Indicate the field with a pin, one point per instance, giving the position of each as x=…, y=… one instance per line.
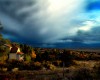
x=82, y=70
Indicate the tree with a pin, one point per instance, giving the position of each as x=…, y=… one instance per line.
x=0, y=36
x=26, y=49
x=27, y=58
x=67, y=58
x=33, y=55
x=2, y=40
x=45, y=55
x=4, y=53
x=1, y=27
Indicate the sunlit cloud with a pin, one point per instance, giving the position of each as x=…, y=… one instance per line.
x=50, y=21
x=87, y=25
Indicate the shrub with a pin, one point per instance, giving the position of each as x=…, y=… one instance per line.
x=97, y=70
x=37, y=65
x=2, y=64
x=47, y=64
x=83, y=74
x=15, y=69
x=4, y=69
x=57, y=63
x=26, y=65
x=52, y=67
x=28, y=58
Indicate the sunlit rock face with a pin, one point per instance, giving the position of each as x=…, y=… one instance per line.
x=49, y=21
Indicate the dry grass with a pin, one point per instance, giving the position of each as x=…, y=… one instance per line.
x=83, y=70
x=87, y=64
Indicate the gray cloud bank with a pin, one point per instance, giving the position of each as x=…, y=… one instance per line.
x=46, y=22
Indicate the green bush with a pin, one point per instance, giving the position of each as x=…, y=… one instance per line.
x=28, y=58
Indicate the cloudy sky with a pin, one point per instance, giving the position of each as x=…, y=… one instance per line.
x=52, y=23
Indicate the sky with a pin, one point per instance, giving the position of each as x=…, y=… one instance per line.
x=52, y=23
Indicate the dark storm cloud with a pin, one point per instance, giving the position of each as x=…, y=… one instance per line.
x=91, y=37
x=49, y=23
x=14, y=21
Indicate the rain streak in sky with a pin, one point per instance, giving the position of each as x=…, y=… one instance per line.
x=52, y=23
